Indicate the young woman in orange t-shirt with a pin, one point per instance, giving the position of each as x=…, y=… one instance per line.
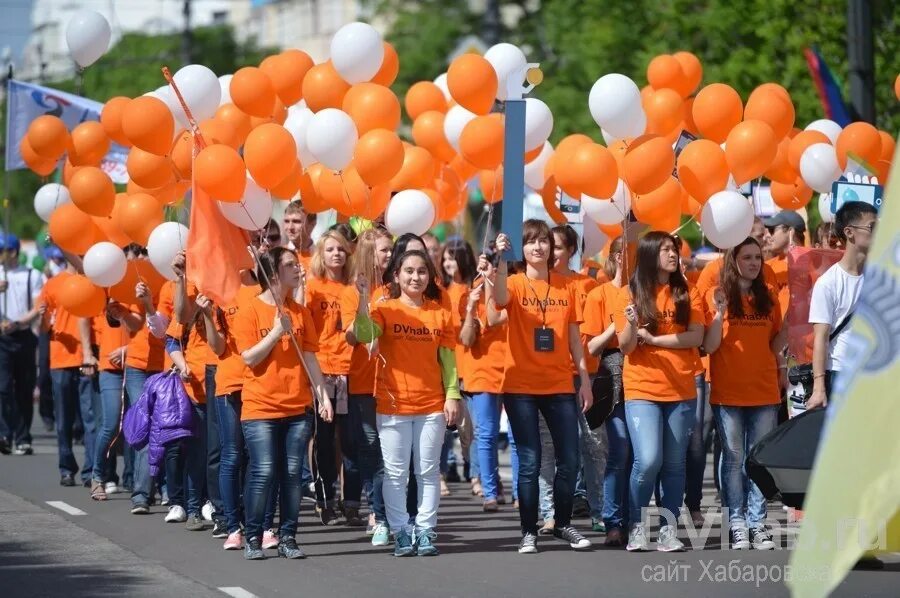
x=745, y=340
x=659, y=329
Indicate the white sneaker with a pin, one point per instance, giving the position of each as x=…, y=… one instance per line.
x=207, y=511
x=637, y=539
x=176, y=514
x=111, y=488
x=668, y=540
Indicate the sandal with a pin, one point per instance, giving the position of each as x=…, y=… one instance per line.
x=98, y=492
x=477, y=490
x=445, y=489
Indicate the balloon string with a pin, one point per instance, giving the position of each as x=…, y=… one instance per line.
x=340, y=174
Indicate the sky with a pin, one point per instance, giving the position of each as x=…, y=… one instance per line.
x=15, y=26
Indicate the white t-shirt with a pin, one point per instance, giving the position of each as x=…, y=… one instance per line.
x=834, y=296
x=14, y=305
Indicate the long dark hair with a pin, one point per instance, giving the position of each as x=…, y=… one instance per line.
x=432, y=291
x=729, y=279
x=267, y=270
x=397, y=252
x=465, y=261
x=646, y=279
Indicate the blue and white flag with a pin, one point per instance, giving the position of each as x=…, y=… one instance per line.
x=27, y=101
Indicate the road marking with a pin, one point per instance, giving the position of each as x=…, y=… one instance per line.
x=65, y=507
x=237, y=592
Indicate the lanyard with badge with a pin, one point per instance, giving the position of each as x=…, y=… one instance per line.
x=543, y=336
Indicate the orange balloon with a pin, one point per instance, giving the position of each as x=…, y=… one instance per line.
x=312, y=201
x=772, y=107
x=888, y=145
x=693, y=72
x=665, y=111
x=109, y=229
x=286, y=71
x=231, y=114
x=73, y=230
x=473, y=83
x=390, y=67
x=862, y=141
x=649, y=162
x=646, y=92
x=111, y=119
x=38, y=165
x=139, y=270
x=548, y=198
x=689, y=125
x=750, y=149
x=531, y=156
x=791, y=196
x=717, y=109
x=89, y=144
x=279, y=113
x=48, y=137
x=423, y=97
x=372, y=106
x=324, y=88
x=148, y=124
x=137, y=216
x=448, y=185
x=417, y=170
x=611, y=230
x=270, y=153
x=481, y=141
x=618, y=148
x=252, y=91
x=589, y=169
x=219, y=170
x=150, y=170
x=798, y=145
x=287, y=188
x=428, y=132
x=217, y=130
x=491, y=184
x=781, y=170
x=689, y=206
x=349, y=195
x=182, y=157
x=68, y=171
x=462, y=169
x=92, y=191
x=167, y=195
x=665, y=72
x=660, y=205
x=378, y=156
x=81, y=298
x=702, y=169
x=568, y=144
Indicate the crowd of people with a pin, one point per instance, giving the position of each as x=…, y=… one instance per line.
x=344, y=368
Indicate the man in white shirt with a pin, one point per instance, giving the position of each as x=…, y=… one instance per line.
x=835, y=296
x=20, y=287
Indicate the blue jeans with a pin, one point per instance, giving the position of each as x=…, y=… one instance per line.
x=275, y=446
x=513, y=462
x=561, y=414
x=108, y=418
x=134, y=388
x=740, y=428
x=618, y=469
x=186, y=460
x=660, y=432
x=485, y=412
x=66, y=403
x=231, y=448
x=213, y=449
x=701, y=436
x=363, y=428
x=17, y=379
x=89, y=400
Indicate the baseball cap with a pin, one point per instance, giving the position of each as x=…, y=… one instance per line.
x=9, y=242
x=786, y=218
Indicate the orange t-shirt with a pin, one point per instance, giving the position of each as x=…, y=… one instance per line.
x=408, y=379
x=486, y=356
x=323, y=298
x=779, y=266
x=458, y=295
x=744, y=371
x=65, y=337
x=361, y=380
x=526, y=370
x=598, y=312
x=232, y=369
x=108, y=340
x=278, y=385
x=709, y=277
x=145, y=351
x=583, y=285
x=655, y=373
x=192, y=350
x=204, y=351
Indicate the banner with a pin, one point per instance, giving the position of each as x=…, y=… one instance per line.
x=26, y=102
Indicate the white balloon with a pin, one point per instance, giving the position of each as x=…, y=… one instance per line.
x=48, y=198
x=456, y=120
x=297, y=124
x=201, y=90
x=507, y=60
x=819, y=167
x=225, y=89
x=105, y=264
x=331, y=137
x=441, y=82
x=538, y=123
x=726, y=219
x=254, y=209
x=825, y=207
x=607, y=138
x=612, y=210
x=165, y=242
x=410, y=211
x=615, y=104
x=594, y=238
x=534, y=170
x=357, y=52
x=829, y=128
x=87, y=36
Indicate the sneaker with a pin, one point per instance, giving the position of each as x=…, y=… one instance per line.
x=637, y=539
x=424, y=546
x=23, y=449
x=164, y=501
x=288, y=549
x=381, y=536
x=195, y=523
x=528, y=545
x=235, y=541
x=220, y=528
x=668, y=539
x=176, y=514
x=111, y=488
x=403, y=545
x=308, y=492
x=490, y=506
x=253, y=551
x=580, y=507
x=352, y=518
x=67, y=479
x=597, y=525
x=269, y=539
x=445, y=489
x=501, y=496
x=869, y=563
x=370, y=524
x=572, y=536
x=5, y=448
x=327, y=516
x=740, y=540
x=207, y=511
x=140, y=508
x=615, y=538
x=547, y=528
x=761, y=539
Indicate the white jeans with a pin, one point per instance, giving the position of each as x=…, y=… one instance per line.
x=420, y=436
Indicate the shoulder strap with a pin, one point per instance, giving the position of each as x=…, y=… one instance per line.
x=28, y=289
x=840, y=327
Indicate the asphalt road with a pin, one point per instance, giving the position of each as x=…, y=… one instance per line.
x=48, y=551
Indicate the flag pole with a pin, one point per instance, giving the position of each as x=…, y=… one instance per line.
x=6, y=183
